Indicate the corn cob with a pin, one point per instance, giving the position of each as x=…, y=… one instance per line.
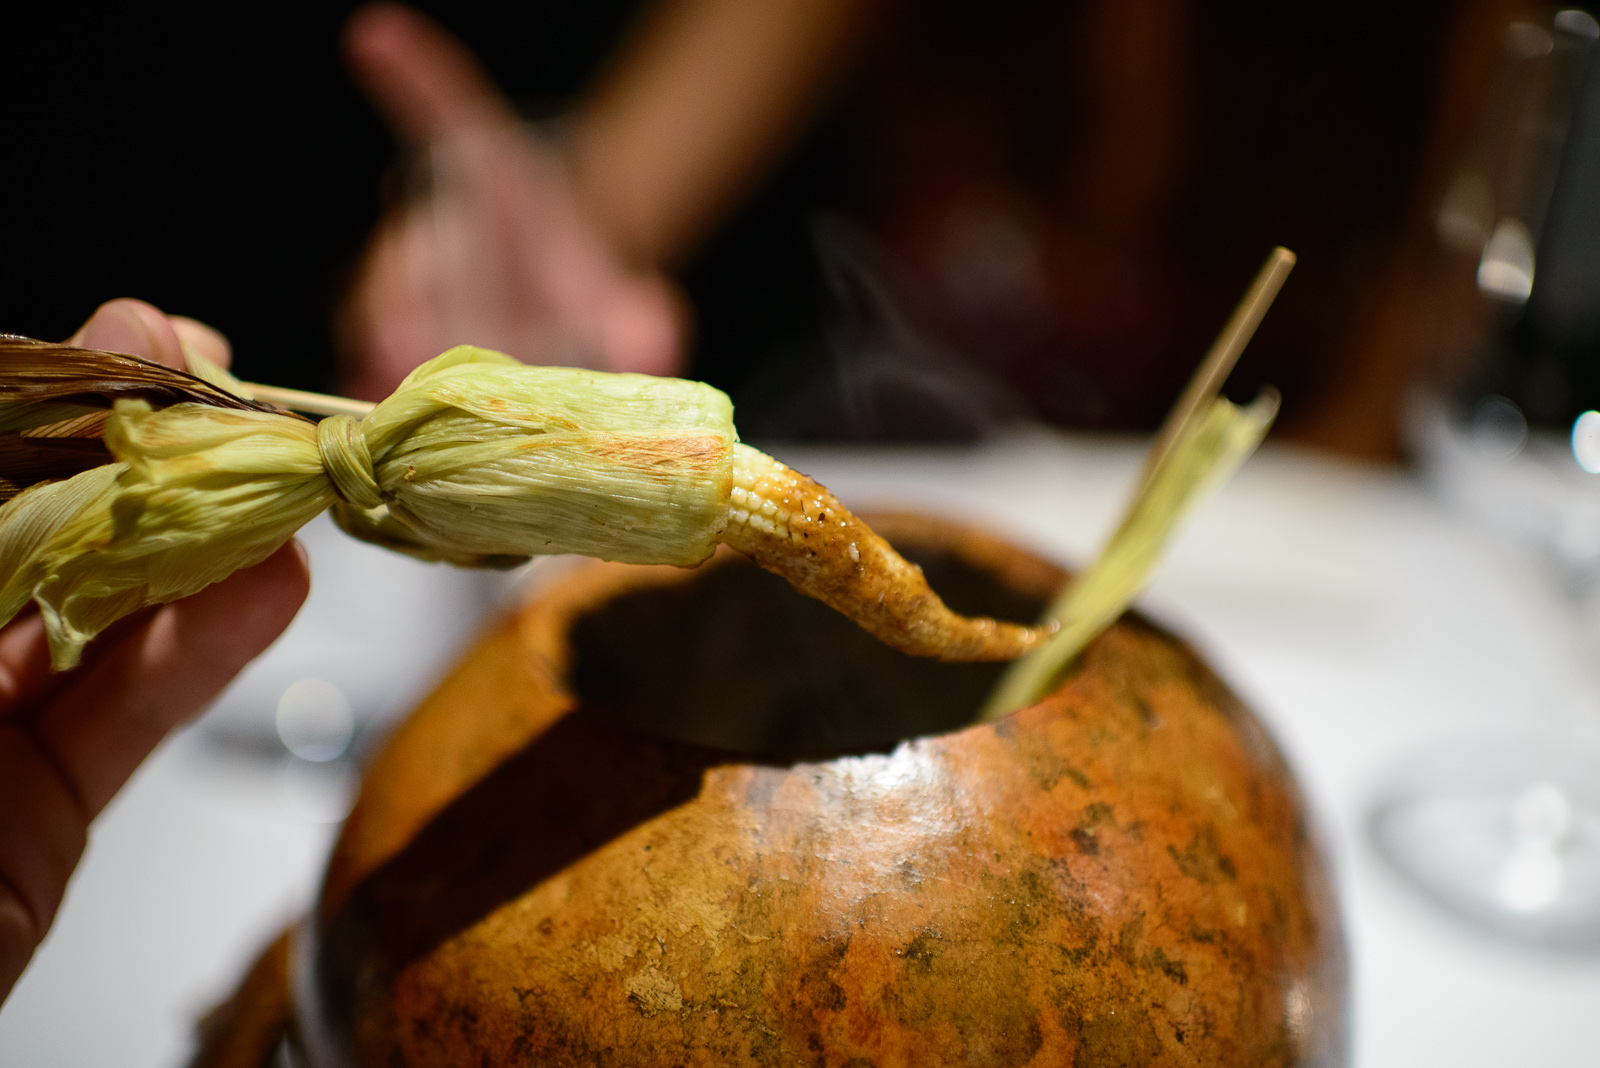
x=795, y=528
x=126, y=484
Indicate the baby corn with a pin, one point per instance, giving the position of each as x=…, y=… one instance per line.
x=475, y=459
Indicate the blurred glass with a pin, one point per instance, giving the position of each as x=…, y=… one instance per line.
x=1515, y=278
x=1505, y=833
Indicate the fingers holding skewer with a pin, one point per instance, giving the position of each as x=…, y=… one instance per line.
x=69, y=740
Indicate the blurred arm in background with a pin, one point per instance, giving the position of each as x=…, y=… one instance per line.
x=557, y=257
x=560, y=255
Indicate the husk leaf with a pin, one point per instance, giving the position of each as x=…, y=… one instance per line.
x=477, y=454
x=476, y=459
x=1202, y=459
x=201, y=493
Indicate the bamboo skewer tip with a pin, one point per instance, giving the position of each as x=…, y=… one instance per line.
x=1027, y=679
x=300, y=400
x=1224, y=353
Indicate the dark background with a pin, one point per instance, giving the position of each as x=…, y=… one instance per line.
x=217, y=161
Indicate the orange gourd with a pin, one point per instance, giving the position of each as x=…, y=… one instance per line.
x=666, y=817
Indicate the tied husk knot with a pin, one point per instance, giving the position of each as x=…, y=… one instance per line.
x=348, y=461
x=475, y=459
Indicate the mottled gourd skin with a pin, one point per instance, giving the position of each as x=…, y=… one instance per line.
x=1118, y=875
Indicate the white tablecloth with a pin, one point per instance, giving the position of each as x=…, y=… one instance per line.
x=1358, y=618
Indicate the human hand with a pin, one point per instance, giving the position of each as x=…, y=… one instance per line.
x=498, y=252
x=69, y=741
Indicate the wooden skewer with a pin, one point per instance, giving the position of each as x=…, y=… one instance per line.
x=1207, y=381
x=1028, y=679
x=300, y=400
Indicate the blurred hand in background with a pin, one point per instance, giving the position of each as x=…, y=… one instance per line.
x=69, y=741
x=491, y=244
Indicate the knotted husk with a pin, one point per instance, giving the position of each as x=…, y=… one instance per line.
x=475, y=459
x=663, y=818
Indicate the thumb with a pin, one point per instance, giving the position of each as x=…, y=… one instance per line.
x=424, y=81
x=132, y=327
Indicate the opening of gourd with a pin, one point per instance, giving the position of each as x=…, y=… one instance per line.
x=737, y=660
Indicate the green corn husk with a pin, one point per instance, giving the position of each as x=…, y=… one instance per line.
x=1202, y=458
x=481, y=456
x=30, y=522
x=476, y=459
x=200, y=493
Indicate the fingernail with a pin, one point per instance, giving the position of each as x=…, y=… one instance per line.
x=116, y=327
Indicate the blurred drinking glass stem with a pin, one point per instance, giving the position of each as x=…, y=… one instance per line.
x=1506, y=834
x=1516, y=265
